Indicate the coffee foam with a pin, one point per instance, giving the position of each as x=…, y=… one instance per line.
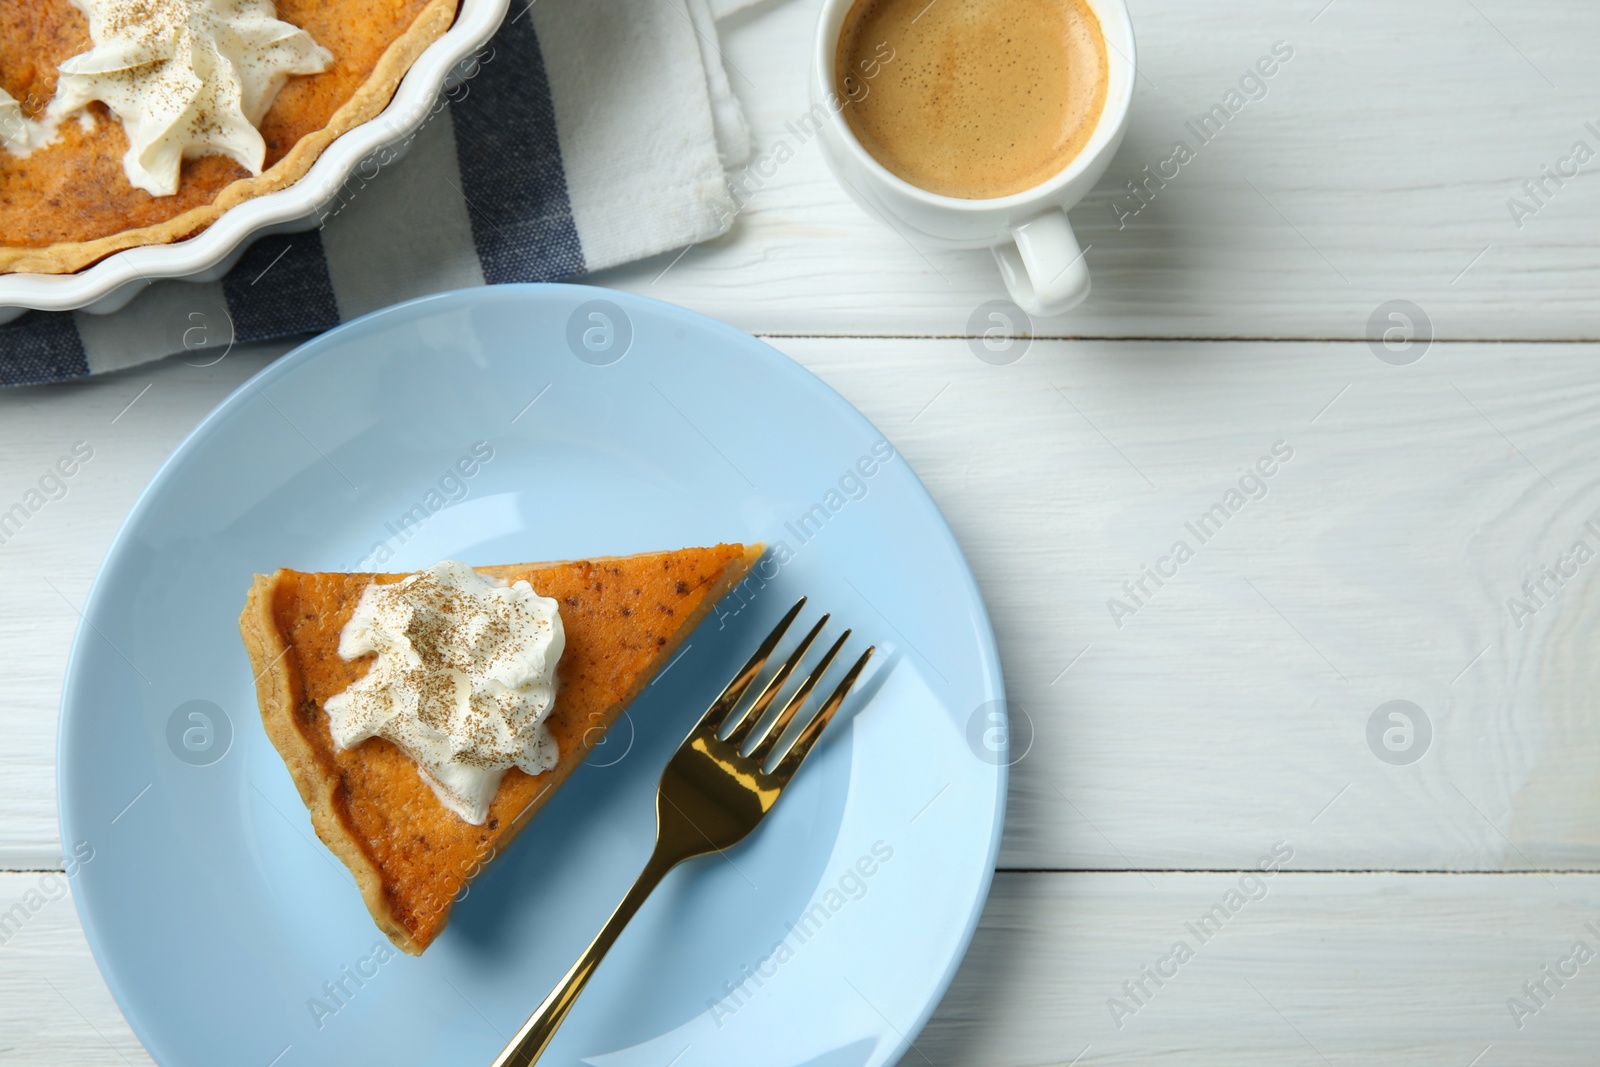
x=981, y=98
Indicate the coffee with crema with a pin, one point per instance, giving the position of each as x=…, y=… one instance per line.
x=972, y=98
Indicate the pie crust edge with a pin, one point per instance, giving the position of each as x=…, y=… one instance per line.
x=368, y=101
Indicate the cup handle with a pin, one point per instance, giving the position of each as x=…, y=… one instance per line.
x=1043, y=267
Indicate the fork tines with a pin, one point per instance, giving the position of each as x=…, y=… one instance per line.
x=744, y=723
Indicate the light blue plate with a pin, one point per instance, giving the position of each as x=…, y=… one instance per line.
x=613, y=424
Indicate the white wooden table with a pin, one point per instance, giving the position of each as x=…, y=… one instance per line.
x=1228, y=714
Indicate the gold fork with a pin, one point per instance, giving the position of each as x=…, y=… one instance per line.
x=712, y=794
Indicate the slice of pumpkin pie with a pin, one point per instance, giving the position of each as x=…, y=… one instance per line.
x=425, y=717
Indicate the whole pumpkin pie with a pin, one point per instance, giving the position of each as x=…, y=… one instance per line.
x=69, y=192
x=410, y=830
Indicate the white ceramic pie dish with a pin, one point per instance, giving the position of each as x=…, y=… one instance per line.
x=109, y=284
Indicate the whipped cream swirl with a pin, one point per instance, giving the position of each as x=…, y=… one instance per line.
x=15, y=129
x=464, y=679
x=19, y=133
x=186, y=78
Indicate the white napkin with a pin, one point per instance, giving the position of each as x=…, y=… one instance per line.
x=648, y=122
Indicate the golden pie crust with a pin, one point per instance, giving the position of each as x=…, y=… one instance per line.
x=624, y=618
x=69, y=204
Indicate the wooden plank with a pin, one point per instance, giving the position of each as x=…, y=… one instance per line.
x=1305, y=968
x=1376, y=164
x=1401, y=970
x=1232, y=706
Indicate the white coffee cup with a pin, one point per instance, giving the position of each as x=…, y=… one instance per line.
x=1032, y=240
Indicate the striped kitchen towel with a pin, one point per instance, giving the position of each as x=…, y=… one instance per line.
x=590, y=133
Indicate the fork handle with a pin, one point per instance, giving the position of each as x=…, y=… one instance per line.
x=537, y=1033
